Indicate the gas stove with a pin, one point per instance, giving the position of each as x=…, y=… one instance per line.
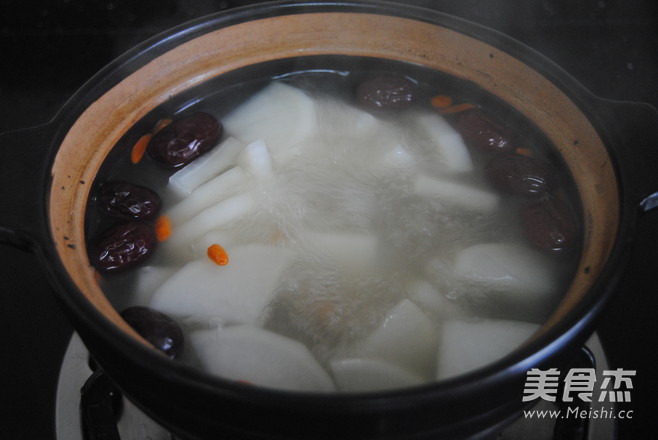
x=50, y=48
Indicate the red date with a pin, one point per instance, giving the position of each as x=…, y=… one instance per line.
x=185, y=139
x=386, y=92
x=482, y=131
x=159, y=329
x=122, y=247
x=129, y=201
x=517, y=174
x=549, y=224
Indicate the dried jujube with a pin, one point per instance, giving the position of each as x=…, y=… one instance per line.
x=122, y=246
x=129, y=201
x=518, y=174
x=185, y=139
x=481, y=130
x=157, y=328
x=549, y=224
x=386, y=92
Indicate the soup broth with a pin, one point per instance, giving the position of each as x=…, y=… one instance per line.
x=358, y=225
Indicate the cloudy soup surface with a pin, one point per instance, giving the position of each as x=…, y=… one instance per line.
x=334, y=225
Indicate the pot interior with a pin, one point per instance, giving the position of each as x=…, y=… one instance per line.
x=227, y=50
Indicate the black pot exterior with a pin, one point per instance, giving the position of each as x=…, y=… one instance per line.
x=24, y=185
x=197, y=406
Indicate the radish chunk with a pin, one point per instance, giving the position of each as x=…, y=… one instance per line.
x=467, y=345
x=235, y=293
x=390, y=159
x=512, y=269
x=334, y=117
x=256, y=159
x=406, y=338
x=398, y=157
x=212, y=218
x=141, y=284
x=362, y=375
x=204, y=168
x=148, y=279
x=456, y=194
x=182, y=252
x=355, y=251
x=429, y=299
x=260, y=357
x=281, y=115
x=208, y=194
x=450, y=146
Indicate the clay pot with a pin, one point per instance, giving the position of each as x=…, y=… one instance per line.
x=45, y=193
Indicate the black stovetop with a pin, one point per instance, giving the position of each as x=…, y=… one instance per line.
x=50, y=48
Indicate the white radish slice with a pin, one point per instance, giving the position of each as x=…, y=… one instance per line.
x=256, y=159
x=398, y=157
x=280, y=114
x=260, y=357
x=335, y=116
x=362, y=375
x=208, y=194
x=353, y=250
x=389, y=159
x=429, y=299
x=215, y=162
x=139, y=284
x=406, y=338
x=237, y=292
x=212, y=218
x=147, y=280
x=515, y=270
x=225, y=238
x=182, y=252
x=468, y=345
x=449, y=143
x=456, y=194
